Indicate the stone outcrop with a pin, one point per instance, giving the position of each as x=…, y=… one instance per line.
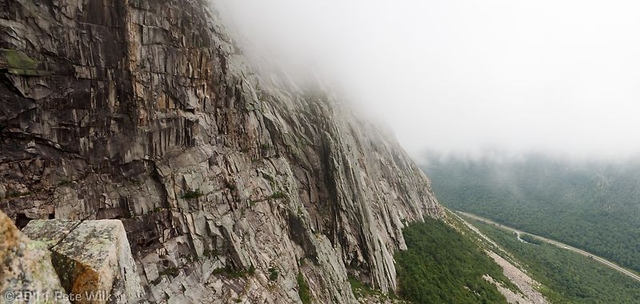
x=26, y=272
x=92, y=259
x=231, y=184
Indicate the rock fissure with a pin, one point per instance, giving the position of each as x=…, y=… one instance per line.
x=149, y=113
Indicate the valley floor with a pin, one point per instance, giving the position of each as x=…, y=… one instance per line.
x=527, y=286
x=555, y=243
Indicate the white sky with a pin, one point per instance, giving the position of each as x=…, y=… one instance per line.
x=464, y=75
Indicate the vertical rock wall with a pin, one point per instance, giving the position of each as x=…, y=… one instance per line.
x=230, y=183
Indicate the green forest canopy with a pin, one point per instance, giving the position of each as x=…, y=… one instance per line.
x=567, y=277
x=590, y=205
x=443, y=266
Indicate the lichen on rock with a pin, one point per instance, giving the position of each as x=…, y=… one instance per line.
x=26, y=272
x=92, y=259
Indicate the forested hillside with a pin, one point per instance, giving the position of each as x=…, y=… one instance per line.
x=566, y=277
x=442, y=265
x=590, y=205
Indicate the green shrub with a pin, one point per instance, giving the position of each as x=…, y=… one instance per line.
x=303, y=289
x=191, y=194
x=273, y=273
x=278, y=195
x=361, y=289
x=232, y=273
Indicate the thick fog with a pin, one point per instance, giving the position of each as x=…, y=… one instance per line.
x=459, y=75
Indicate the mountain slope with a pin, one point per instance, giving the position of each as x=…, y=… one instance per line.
x=231, y=184
x=566, y=276
x=589, y=205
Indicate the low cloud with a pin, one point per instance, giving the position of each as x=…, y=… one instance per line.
x=460, y=76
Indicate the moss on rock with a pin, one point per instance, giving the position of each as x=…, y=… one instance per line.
x=18, y=63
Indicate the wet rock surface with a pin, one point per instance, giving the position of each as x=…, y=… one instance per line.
x=147, y=112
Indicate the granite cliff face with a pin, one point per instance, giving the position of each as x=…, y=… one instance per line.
x=231, y=184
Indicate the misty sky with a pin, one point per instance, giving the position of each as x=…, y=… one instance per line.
x=463, y=75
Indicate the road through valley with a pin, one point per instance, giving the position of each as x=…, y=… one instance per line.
x=555, y=243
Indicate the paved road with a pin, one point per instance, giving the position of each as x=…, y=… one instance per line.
x=556, y=243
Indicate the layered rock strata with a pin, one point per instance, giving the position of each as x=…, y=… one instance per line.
x=231, y=184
